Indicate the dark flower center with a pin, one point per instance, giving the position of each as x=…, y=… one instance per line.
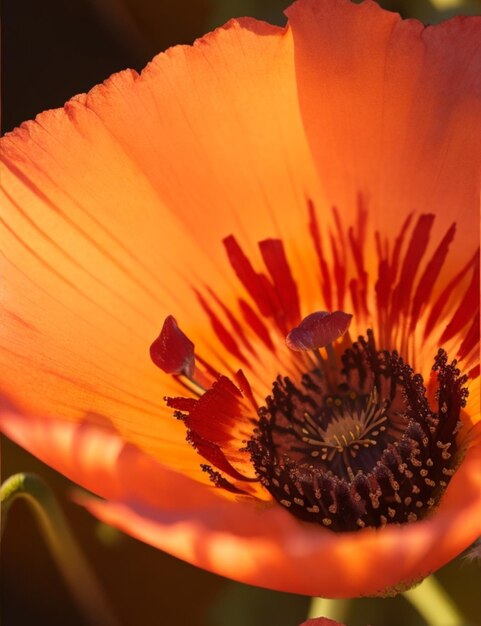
x=351, y=438
x=362, y=446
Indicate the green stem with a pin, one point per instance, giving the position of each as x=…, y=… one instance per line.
x=78, y=574
x=433, y=603
x=333, y=609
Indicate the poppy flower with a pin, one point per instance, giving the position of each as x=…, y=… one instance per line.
x=293, y=210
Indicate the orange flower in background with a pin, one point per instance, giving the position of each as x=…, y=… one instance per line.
x=300, y=206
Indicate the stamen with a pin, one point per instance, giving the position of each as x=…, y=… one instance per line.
x=368, y=451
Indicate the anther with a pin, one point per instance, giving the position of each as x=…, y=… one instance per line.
x=360, y=447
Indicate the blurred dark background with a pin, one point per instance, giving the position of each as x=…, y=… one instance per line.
x=52, y=50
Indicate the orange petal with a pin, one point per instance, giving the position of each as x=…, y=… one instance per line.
x=101, y=461
x=254, y=543
x=268, y=547
x=392, y=111
x=114, y=207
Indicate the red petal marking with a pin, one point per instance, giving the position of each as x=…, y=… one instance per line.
x=219, y=414
x=401, y=296
x=256, y=323
x=221, y=481
x=234, y=322
x=397, y=247
x=377, y=240
x=468, y=307
x=474, y=373
x=440, y=303
x=339, y=273
x=273, y=298
x=361, y=218
x=274, y=257
x=181, y=404
x=245, y=387
x=340, y=230
x=212, y=453
x=471, y=339
x=430, y=275
x=355, y=296
x=316, y=237
x=210, y=371
x=357, y=253
x=383, y=287
x=248, y=277
x=356, y=241
x=339, y=251
x=318, y=330
x=278, y=300
x=221, y=331
x=218, y=424
x=173, y=351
